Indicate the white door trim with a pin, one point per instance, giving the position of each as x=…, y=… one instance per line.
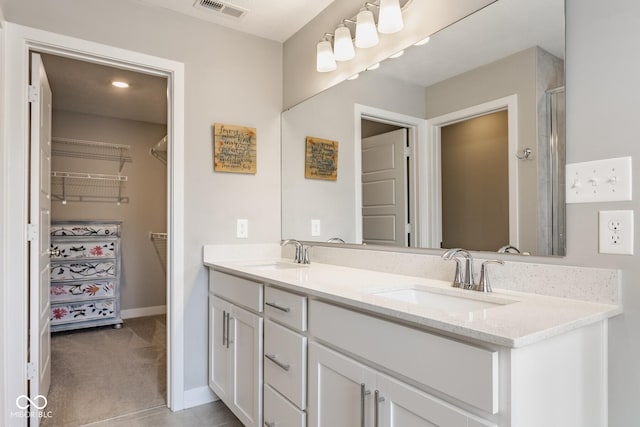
x=418, y=145
x=509, y=103
x=19, y=40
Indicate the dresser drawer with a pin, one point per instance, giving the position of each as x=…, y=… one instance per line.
x=285, y=362
x=278, y=412
x=285, y=307
x=84, y=229
x=237, y=290
x=95, y=289
x=80, y=270
x=81, y=311
x=92, y=249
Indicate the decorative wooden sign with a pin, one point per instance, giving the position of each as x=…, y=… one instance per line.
x=321, y=159
x=234, y=148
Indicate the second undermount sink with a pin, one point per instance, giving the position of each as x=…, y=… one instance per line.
x=439, y=301
x=277, y=265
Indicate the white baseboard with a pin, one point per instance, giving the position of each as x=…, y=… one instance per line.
x=198, y=396
x=143, y=311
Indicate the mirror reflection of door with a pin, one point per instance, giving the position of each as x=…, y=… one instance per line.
x=475, y=183
x=384, y=185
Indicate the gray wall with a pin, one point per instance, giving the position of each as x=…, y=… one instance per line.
x=143, y=282
x=230, y=78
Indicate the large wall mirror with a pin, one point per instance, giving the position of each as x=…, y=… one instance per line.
x=457, y=143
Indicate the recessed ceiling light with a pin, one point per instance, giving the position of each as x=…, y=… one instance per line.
x=423, y=41
x=374, y=67
x=120, y=84
x=397, y=54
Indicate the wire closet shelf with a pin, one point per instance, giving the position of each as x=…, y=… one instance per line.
x=87, y=187
x=85, y=149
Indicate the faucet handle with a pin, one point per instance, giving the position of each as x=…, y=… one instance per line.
x=483, y=284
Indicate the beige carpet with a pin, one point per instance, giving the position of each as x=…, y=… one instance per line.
x=100, y=373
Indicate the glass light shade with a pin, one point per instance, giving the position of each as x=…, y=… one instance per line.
x=342, y=44
x=324, y=57
x=390, y=18
x=366, y=34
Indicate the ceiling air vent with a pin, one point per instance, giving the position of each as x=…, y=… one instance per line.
x=221, y=7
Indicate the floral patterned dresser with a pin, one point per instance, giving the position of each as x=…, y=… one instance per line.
x=85, y=274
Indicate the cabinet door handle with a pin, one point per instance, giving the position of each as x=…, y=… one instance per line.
x=278, y=307
x=270, y=424
x=377, y=399
x=228, y=322
x=363, y=393
x=224, y=328
x=272, y=357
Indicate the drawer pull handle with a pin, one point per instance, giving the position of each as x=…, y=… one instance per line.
x=278, y=307
x=363, y=393
x=224, y=328
x=270, y=424
x=377, y=398
x=228, y=322
x=272, y=357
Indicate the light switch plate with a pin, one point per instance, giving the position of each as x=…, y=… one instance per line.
x=315, y=227
x=615, y=232
x=607, y=180
x=242, y=229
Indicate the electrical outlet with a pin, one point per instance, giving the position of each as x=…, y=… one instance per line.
x=315, y=227
x=616, y=232
x=242, y=229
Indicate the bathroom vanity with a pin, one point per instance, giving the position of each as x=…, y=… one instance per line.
x=326, y=345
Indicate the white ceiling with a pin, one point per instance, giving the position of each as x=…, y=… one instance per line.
x=85, y=87
x=274, y=19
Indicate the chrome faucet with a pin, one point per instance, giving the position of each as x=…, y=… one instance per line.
x=302, y=251
x=484, y=285
x=335, y=240
x=510, y=249
x=458, y=280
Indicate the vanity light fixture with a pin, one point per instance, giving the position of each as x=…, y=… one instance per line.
x=355, y=76
x=121, y=85
x=373, y=67
x=366, y=34
x=390, y=17
x=397, y=55
x=325, y=60
x=342, y=44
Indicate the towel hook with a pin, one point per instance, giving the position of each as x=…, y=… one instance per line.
x=527, y=154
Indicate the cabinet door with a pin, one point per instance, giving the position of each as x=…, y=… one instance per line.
x=401, y=405
x=219, y=360
x=246, y=342
x=340, y=390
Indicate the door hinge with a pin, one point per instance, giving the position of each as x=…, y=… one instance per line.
x=407, y=228
x=34, y=93
x=32, y=232
x=407, y=151
x=32, y=373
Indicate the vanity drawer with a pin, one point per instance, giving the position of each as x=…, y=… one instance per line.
x=287, y=308
x=278, y=412
x=285, y=362
x=429, y=359
x=237, y=290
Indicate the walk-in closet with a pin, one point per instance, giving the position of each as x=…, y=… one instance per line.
x=108, y=241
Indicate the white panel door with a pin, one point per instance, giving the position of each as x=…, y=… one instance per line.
x=340, y=390
x=39, y=239
x=246, y=341
x=219, y=360
x=384, y=189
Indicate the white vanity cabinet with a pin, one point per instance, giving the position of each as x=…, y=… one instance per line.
x=235, y=345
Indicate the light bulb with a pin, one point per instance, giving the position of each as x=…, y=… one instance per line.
x=366, y=34
x=342, y=44
x=390, y=17
x=325, y=61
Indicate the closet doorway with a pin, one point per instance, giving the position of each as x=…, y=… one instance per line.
x=109, y=237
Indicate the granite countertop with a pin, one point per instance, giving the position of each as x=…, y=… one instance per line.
x=518, y=319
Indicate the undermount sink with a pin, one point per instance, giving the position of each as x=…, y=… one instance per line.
x=275, y=265
x=439, y=301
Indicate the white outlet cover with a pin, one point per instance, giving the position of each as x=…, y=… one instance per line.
x=615, y=234
x=315, y=227
x=607, y=180
x=242, y=229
